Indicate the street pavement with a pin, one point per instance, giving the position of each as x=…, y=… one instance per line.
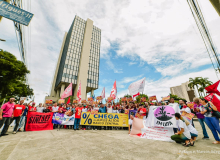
x=104, y=144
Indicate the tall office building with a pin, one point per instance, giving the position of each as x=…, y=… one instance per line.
x=183, y=91
x=78, y=60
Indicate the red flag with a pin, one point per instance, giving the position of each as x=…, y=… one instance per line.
x=79, y=93
x=114, y=91
x=213, y=88
x=211, y=97
x=68, y=101
x=67, y=92
x=136, y=95
x=103, y=93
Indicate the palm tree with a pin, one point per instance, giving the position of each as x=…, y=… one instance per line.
x=200, y=84
x=204, y=82
x=194, y=82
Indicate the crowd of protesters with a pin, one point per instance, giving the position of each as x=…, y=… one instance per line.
x=185, y=133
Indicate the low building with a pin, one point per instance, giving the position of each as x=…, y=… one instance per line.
x=183, y=91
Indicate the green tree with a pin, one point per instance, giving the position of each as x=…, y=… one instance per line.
x=127, y=95
x=13, y=77
x=176, y=97
x=199, y=83
x=204, y=82
x=138, y=98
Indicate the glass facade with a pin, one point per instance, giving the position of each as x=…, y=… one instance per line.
x=69, y=65
x=93, y=72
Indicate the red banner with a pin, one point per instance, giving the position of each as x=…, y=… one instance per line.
x=39, y=121
x=153, y=98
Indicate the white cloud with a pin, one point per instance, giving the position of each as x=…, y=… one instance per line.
x=161, y=33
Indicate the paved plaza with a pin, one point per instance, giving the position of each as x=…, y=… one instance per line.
x=89, y=144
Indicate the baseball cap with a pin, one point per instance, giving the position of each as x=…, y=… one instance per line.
x=33, y=102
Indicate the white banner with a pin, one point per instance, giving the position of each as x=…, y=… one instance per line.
x=157, y=133
x=136, y=87
x=162, y=116
x=68, y=120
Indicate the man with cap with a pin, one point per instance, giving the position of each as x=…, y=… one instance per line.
x=6, y=113
x=18, y=112
x=32, y=108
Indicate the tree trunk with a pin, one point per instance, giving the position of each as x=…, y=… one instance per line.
x=198, y=91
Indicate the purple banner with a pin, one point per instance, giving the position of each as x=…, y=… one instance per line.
x=57, y=118
x=132, y=112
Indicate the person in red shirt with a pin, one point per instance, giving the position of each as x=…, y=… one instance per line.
x=142, y=111
x=18, y=111
x=78, y=112
x=32, y=108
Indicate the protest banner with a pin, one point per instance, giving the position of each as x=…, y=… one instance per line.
x=124, y=99
x=153, y=132
x=137, y=115
x=143, y=99
x=22, y=98
x=166, y=98
x=90, y=99
x=189, y=116
x=109, y=99
x=126, y=111
x=162, y=116
x=49, y=101
x=129, y=99
x=39, y=121
x=94, y=112
x=83, y=101
x=191, y=105
x=75, y=101
x=157, y=133
x=152, y=98
x=99, y=98
x=104, y=119
x=61, y=101
x=63, y=119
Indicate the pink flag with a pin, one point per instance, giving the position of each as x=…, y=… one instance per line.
x=103, y=93
x=79, y=93
x=114, y=91
x=67, y=92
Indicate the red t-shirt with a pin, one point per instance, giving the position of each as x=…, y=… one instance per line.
x=32, y=108
x=78, y=112
x=50, y=108
x=143, y=110
x=18, y=110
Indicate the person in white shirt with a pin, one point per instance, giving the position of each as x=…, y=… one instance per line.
x=183, y=133
x=114, y=109
x=109, y=108
x=193, y=133
x=40, y=108
x=55, y=108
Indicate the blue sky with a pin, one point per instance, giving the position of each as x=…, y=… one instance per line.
x=158, y=40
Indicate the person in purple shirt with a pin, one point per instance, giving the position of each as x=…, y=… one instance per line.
x=6, y=113
x=198, y=107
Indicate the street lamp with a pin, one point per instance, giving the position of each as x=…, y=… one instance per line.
x=2, y=40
